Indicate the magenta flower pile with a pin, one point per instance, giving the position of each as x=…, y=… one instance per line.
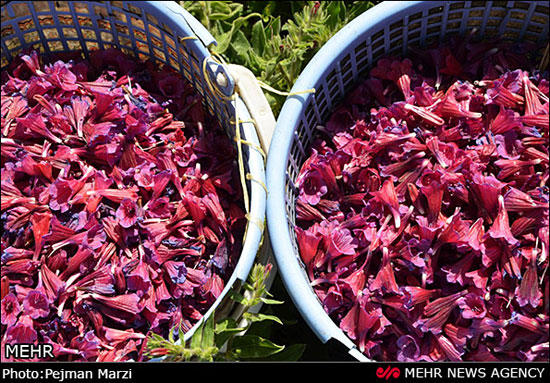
x=121, y=209
x=422, y=214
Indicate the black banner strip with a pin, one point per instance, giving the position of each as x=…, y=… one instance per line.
x=464, y=372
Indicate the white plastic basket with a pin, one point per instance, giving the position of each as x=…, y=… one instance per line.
x=166, y=34
x=389, y=28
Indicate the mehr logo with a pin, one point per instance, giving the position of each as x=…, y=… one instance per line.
x=389, y=372
x=29, y=351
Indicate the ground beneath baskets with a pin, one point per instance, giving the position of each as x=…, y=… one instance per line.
x=298, y=332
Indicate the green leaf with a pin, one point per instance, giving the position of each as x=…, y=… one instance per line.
x=251, y=347
x=227, y=325
x=224, y=40
x=204, y=335
x=240, y=47
x=256, y=62
x=248, y=286
x=261, y=317
x=275, y=26
x=268, y=301
x=333, y=10
x=358, y=8
x=208, y=333
x=171, y=336
x=181, y=334
x=196, y=339
x=263, y=329
x=225, y=329
x=236, y=296
x=258, y=37
x=222, y=11
x=268, y=8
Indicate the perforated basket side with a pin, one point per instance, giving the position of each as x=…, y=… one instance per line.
x=386, y=29
x=162, y=32
x=140, y=29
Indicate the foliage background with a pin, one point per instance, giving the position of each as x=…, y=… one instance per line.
x=276, y=40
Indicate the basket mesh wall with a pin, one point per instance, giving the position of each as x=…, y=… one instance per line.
x=512, y=20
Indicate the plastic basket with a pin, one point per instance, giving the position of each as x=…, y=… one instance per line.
x=388, y=28
x=166, y=34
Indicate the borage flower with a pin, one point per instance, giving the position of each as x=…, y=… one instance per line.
x=361, y=322
x=313, y=187
x=36, y=304
x=127, y=213
x=106, y=197
x=10, y=309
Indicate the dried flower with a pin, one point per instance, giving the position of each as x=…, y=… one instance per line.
x=117, y=187
x=10, y=309
x=36, y=304
x=435, y=216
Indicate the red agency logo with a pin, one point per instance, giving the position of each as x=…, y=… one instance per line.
x=389, y=372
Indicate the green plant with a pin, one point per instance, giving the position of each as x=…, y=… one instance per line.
x=231, y=338
x=274, y=39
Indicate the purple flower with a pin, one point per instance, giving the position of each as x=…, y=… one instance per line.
x=313, y=187
x=138, y=279
x=36, y=304
x=185, y=155
x=127, y=213
x=334, y=300
x=159, y=208
x=341, y=242
x=528, y=291
x=107, y=195
x=60, y=75
x=10, y=309
x=22, y=332
x=472, y=306
x=359, y=323
x=144, y=175
x=88, y=345
x=501, y=225
x=177, y=271
x=408, y=349
x=433, y=209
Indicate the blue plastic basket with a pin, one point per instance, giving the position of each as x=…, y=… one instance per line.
x=166, y=34
x=386, y=29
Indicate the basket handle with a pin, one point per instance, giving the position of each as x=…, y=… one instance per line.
x=254, y=98
x=250, y=92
